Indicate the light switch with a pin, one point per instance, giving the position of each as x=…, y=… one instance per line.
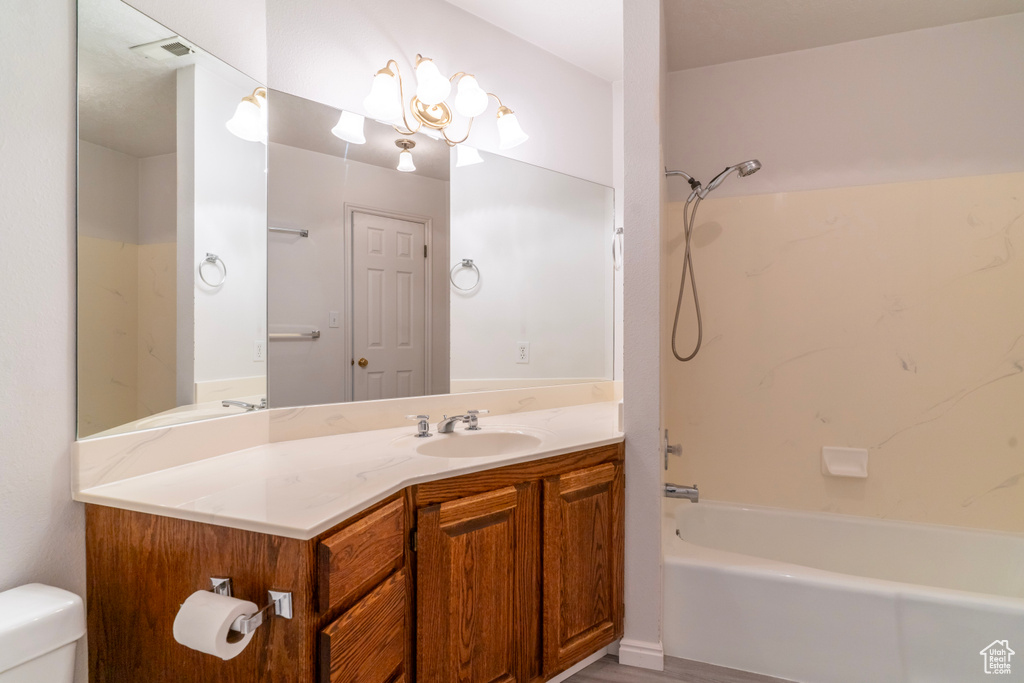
x=334, y=319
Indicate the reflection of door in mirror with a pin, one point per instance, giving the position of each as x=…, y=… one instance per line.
x=361, y=276
x=389, y=300
x=162, y=183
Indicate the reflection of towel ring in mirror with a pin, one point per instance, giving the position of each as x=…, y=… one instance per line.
x=465, y=263
x=617, y=249
x=214, y=259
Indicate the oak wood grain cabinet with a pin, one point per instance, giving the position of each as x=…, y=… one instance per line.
x=516, y=576
x=141, y=567
x=486, y=611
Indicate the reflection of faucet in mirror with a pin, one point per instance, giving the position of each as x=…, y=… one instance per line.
x=249, y=407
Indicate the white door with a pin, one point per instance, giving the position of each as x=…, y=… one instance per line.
x=388, y=307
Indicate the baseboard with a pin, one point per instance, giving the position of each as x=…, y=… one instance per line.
x=579, y=667
x=642, y=654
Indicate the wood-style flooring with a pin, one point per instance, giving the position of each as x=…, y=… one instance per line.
x=608, y=670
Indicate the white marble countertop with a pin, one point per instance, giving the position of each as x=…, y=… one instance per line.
x=302, y=488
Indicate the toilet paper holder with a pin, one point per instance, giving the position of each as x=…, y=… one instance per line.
x=280, y=602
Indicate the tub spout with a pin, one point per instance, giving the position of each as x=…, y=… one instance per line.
x=676, y=491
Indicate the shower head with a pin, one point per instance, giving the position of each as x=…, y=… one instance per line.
x=748, y=167
x=745, y=168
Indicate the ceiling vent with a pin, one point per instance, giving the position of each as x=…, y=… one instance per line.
x=163, y=50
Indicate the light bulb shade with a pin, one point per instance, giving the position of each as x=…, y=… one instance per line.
x=509, y=132
x=261, y=100
x=467, y=156
x=384, y=102
x=470, y=99
x=405, y=162
x=350, y=128
x=247, y=123
x=431, y=87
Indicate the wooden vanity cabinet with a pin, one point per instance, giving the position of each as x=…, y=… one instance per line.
x=350, y=591
x=519, y=570
x=516, y=575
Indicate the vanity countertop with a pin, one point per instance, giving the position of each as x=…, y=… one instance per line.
x=299, y=489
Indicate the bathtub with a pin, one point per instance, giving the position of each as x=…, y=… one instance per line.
x=826, y=598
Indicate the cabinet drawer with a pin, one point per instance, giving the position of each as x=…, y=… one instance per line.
x=366, y=644
x=356, y=558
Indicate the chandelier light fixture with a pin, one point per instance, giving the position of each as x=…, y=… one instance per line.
x=250, y=119
x=386, y=102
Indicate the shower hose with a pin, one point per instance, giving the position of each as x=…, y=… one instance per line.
x=688, y=218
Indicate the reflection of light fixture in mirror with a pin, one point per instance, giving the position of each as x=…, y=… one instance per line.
x=350, y=128
x=467, y=156
x=250, y=119
x=509, y=132
x=405, y=158
x=386, y=102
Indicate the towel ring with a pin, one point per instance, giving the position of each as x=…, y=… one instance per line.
x=465, y=263
x=214, y=259
x=617, y=249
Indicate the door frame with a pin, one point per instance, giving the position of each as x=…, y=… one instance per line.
x=348, y=272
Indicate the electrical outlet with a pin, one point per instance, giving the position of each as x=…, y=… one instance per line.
x=523, y=352
x=259, y=351
x=334, y=319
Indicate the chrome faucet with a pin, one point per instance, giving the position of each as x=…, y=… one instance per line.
x=249, y=407
x=677, y=491
x=447, y=425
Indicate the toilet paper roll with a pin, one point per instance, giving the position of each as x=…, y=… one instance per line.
x=204, y=621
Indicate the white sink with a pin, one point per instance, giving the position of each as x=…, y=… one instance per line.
x=488, y=441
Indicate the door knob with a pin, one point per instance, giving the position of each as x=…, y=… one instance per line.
x=363, y=362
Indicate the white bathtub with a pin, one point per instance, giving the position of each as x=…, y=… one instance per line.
x=826, y=598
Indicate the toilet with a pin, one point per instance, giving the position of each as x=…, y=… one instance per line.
x=39, y=627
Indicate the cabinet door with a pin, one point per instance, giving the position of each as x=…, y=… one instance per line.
x=478, y=585
x=366, y=644
x=583, y=555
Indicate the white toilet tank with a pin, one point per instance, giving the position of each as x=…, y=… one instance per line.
x=39, y=626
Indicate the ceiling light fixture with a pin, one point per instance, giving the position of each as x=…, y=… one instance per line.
x=405, y=157
x=250, y=119
x=386, y=102
x=350, y=128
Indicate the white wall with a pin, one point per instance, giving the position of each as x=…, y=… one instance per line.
x=309, y=190
x=328, y=51
x=158, y=199
x=935, y=103
x=541, y=243
x=41, y=529
x=109, y=203
x=644, y=66
x=230, y=221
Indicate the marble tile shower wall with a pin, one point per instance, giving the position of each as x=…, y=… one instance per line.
x=888, y=317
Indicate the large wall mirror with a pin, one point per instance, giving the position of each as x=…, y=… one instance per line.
x=222, y=266
x=171, y=229
x=463, y=272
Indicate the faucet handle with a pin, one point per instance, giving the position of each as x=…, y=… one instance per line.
x=423, y=427
x=473, y=426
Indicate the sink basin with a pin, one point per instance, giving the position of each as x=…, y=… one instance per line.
x=489, y=441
